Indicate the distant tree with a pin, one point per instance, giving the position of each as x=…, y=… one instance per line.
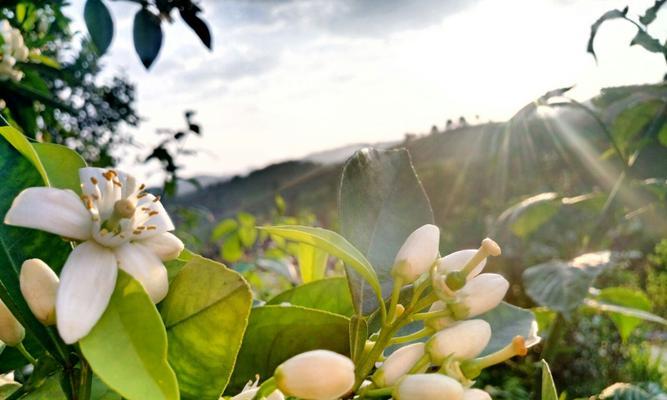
x=434, y=130
x=449, y=125
x=462, y=121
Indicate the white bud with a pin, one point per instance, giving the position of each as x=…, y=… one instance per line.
x=250, y=394
x=428, y=387
x=316, y=375
x=457, y=260
x=11, y=331
x=417, y=254
x=39, y=285
x=462, y=341
x=398, y=364
x=475, y=394
x=483, y=293
x=440, y=323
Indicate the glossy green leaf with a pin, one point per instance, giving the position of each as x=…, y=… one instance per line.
x=382, y=202
x=276, y=333
x=548, y=387
x=508, y=321
x=147, y=34
x=206, y=313
x=530, y=214
x=312, y=262
x=100, y=391
x=629, y=298
x=99, y=24
x=49, y=390
x=331, y=294
x=231, y=250
x=625, y=311
x=61, y=165
x=127, y=348
x=562, y=286
x=358, y=336
x=18, y=172
x=334, y=244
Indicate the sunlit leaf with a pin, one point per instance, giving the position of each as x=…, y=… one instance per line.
x=276, y=333
x=632, y=299
x=382, y=202
x=61, y=165
x=205, y=313
x=330, y=294
x=334, y=244
x=127, y=348
x=507, y=321
x=562, y=286
x=312, y=262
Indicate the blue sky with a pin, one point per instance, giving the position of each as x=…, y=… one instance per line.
x=290, y=77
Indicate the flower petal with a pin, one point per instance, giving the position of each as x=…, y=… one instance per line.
x=140, y=262
x=151, y=215
x=457, y=260
x=166, y=245
x=86, y=284
x=52, y=210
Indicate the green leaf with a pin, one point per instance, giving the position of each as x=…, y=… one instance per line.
x=611, y=14
x=334, y=244
x=276, y=333
x=49, y=390
x=206, y=313
x=18, y=172
x=21, y=9
x=648, y=42
x=61, y=165
x=530, y=214
x=508, y=321
x=147, y=34
x=358, y=337
x=652, y=12
x=625, y=297
x=382, y=201
x=548, y=387
x=100, y=391
x=99, y=24
x=127, y=348
x=330, y=294
x=632, y=121
x=312, y=262
x=231, y=249
x=561, y=285
x=627, y=391
x=625, y=311
x=225, y=227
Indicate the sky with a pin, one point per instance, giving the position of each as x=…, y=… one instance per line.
x=290, y=77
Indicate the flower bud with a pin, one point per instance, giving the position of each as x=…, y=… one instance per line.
x=11, y=331
x=39, y=285
x=316, y=375
x=475, y=394
x=457, y=260
x=439, y=323
x=398, y=364
x=483, y=293
x=462, y=341
x=428, y=387
x=417, y=254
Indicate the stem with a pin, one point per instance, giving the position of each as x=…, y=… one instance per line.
x=411, y=337
x=556, y=331
x=432, y=314
x=85, y=380
x=421, y=363
x=24, y=352
x=379, y=392
x=60, y=346
x=393, y=302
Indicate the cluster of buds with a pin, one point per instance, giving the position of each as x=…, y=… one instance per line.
x=444, y=365
x=460, y=291
x=13, y=50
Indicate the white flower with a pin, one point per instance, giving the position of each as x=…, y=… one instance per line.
x=455, y=262
x=428, y=387
x=475, y=394
x=13, y=49
x=39, y=285
x=398, y=364
x=119, y=225
x=11, y=331
x=483, y=293
x=316, y=375
x=462, y=341
x=417, y=254
x=251, y=389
